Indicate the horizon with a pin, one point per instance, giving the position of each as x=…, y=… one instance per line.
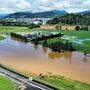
x=70, y=6
x=5, y=13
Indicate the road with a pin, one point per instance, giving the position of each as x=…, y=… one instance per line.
x=29, y=84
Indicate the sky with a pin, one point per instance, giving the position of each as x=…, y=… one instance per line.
x=71, y=6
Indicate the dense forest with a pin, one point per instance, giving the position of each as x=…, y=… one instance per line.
x=71, y=19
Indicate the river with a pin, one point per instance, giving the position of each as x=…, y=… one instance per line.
x=35, y=59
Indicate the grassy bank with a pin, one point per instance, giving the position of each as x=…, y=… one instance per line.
x=56, y=81
x=1, y=37
x=62, y=83
x=6, y=84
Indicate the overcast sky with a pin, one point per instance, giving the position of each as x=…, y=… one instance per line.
x=11, y=6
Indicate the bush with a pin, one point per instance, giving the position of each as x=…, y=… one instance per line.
x=32, y=25
x=77, y=28
x=84, y=28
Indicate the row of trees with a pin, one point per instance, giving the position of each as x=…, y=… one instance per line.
x=77, y=27
x=12, y=23
x=85, y=28
x=22, y=24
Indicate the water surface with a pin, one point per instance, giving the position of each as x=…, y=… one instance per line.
x=35, y=59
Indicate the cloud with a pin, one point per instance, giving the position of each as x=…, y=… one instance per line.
x=14, y=5
x=23, y=4
x=44, y=5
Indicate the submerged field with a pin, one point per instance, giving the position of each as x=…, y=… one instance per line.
x=6, y=84
x=38, y=59
x=79, y=34
x=79, y=38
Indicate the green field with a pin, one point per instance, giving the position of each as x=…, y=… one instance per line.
x=62, y=83
x=9, y=29
x=6, y=84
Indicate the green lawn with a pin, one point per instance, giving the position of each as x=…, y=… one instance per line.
x=62, y=83
x=6, y=84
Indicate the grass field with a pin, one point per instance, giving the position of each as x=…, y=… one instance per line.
x=6, y=84
x=63, y=83
x=9, y=29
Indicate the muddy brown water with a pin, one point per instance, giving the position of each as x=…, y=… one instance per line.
x=32, y=59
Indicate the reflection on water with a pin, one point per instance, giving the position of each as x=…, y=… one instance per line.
x=85, y=59
x=57, y=55
x=27, y=58
x=35, y=46
x=45, y=49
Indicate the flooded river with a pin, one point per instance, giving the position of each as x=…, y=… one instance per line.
x=32, y=59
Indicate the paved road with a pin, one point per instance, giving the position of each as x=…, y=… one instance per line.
x=30, y=85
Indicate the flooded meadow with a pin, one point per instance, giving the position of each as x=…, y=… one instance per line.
x=34, y=59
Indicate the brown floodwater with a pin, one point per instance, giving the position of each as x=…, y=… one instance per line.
x=35, y=59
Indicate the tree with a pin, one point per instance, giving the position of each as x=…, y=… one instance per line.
x=77, y=28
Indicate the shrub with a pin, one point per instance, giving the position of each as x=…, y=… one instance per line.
x=77, y=28
x=32, y=25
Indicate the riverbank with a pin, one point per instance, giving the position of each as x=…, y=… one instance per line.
x=62, y=83
x=55, y=81
x=2, y=37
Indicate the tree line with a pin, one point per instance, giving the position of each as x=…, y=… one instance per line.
x=20, y=24
x=77, y=27
x=71, y=19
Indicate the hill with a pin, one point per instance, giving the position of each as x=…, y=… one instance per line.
x=72, y=19
x=48, y=14
x=85, y=12
x=2, y=15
